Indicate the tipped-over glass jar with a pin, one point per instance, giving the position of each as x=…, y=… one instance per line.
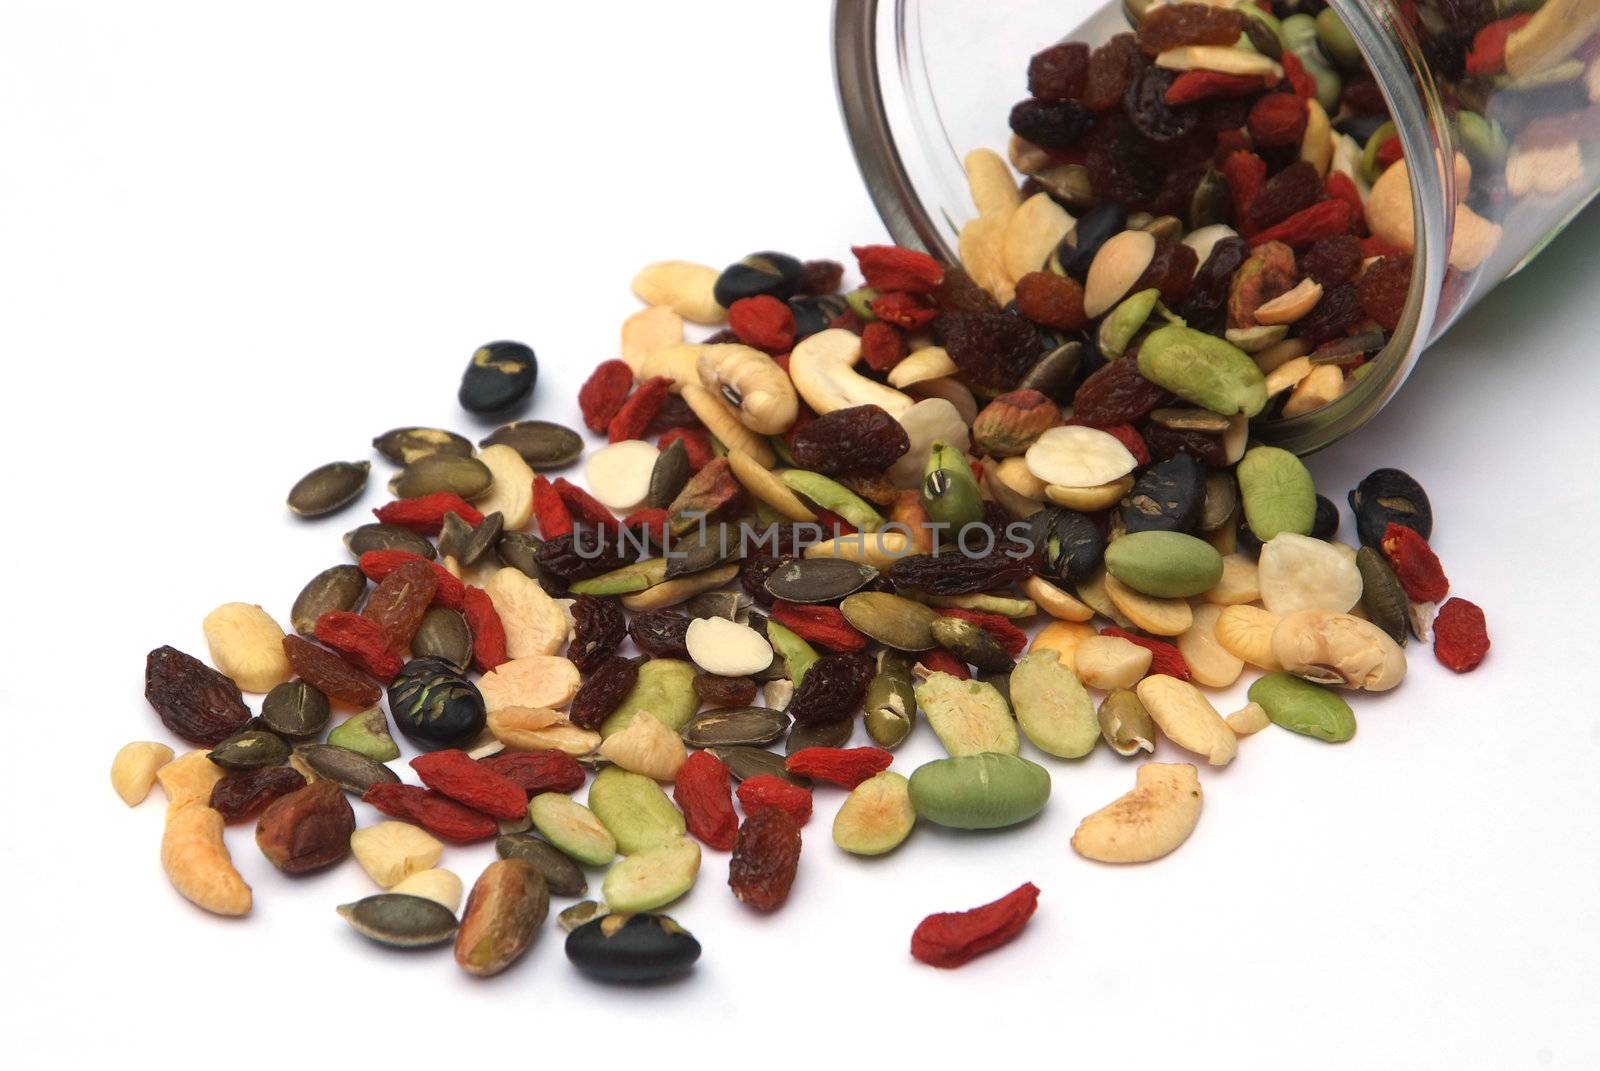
x=1461, y=134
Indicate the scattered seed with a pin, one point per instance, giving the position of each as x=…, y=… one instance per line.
x=328, y=488
x=405, y=445
x=541, y=444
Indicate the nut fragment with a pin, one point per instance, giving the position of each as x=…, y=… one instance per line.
x=619, y=474
x=1110, y=662
x=134, y=769
x=440, y=886
x=1291, y=306
x=188, y=779
x=1298, y=572
x=648, y=331
x=994, y=192
x=1246, y=633
x=534, y=622
x=247, y=646
x=1239, y=583
x=1187, y=718
x=1116, y=267
x=536, y=729
x=1248, y=719
x=1062, y=637
x=511, y=494
x=1090, y=499
x=1159, y=617
x=391, y=851
x=198, y=864
x=1223, y=59
x=1323, y=384
x=1147, y=823
x=763, y=485
x=1077, y=456
x=1338, y=649
x=1210, y=664
x=688, y=289
x=646, y=747
x=1054, y=601
x=1032, y=233
x=931, y=362
x=532, y=681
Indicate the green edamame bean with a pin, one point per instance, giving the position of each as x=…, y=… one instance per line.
x=1303, y=707
x=1278, y=492
x=980, y=791
x=1167, y=565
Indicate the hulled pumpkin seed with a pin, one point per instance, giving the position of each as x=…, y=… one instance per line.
x=891, y=702
x=543, y=445
x=819, y=579
x=250, y=750
x=969, y=717
x=519, y=550
x=794, y=652
x=561, y=874
x=705, y=548
x=668, y=475
x=405, y=445
x=338, y=587
x=465, y=543
x=295, y=710
x=371, y=537
x=400, y=920
x=464, y=476
x=1053, y=710
x=890, y=619
x=350, y=770
x=573, y=828
x=328, y=488
x=742, y=725
x=726, y=604
x=653, y=877
x=745, y=762
x=1125, y=724
x=367, y=733
x=443, y=634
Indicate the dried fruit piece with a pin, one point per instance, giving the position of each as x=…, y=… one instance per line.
x=195, y=701
x=504, y=912
x=703, y=792
x=766, y=856
x=426, y=513
x=957, y=574
x=1415, y=564
x=1460, y=635
x=399, y=602
x=1117, y=394
x=832, y=690
x=1052, y=300
x=770, y=790
x=1059, y=72
x=246, y=793
x=861, y=438
x=360, y=641
x=1383, y=289
x=451, y=772
x=308, y=829
x=993, y=351
x=1176, y=25
x=608, y=685
x=439, y=815
x=951, y=938
x=537, y=772
x=846, y=767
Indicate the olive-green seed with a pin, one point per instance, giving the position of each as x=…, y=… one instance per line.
x=443, y=634
x=891, y=701
x=520, y=551
x=811, y=580
x=1382, y=596
x=1166, y=565
x=890, y=619
x=542, y=444
x=250, y=750
x=296, y=710
x=561, y=874
x=1303, y=707
x=1222, y=500
x=746, y=762
x=350, y=770
x=707, y=547
x=795, y=653
x=328, y=488
x=400, y=920
x=367, y=733
x=754, y=726
x=724, y=604
x=971, y=644
x=405, y=445
x=467, y=543
x=667, y=477
x=338, y=587
x=819, y=734
x=949, y=490
x=370, y=537
x=581, y=914
x=436, y=474
x=1056, y=373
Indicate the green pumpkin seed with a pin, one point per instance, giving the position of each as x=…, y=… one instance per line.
x=1222, y=499
x=653, y=877
x=1203, y=369
x=745, y=762
x=573, y=828
x=796, y=654
x=809, y=580
x=466, y=543
x=405, y=445
x=350, y=770
x=1337, y=42
x=436, y=474
x=949, y=490
x=561, y=874
x=443, y=634
x=1277, y=491
x=543, y=445
x=968, y=717
x=1212, y=201
x=1381, y=595
x=635, y=810
x=338, y=587
x=250, y=750
x=295, y=710
x=640, y=576
x=1166, y=565
x=738, y=725
x=890, y=619
x=1056, y=373
x=581, y=914
x=328, y=488
x=971, y=644
x=860, y=302
x=1125, y=724
x=724, y=604
x=891, y=701
x=1118, y=329
x=668, y=475
x=985, y=603
x=367, y=733
x=833, y=496
x=834, y=733
x=400, y=920
x=520, y=551
x=1053, y=710
x=707, y=547
x=979, y=791
x=1303, y=707
x=370, y=537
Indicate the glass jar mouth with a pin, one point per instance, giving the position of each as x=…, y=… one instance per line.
x=904, y=150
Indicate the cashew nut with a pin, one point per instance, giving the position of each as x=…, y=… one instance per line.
x=134, y=769
x=1146, y=823
x=688, y=289
x=752, y=383
x=723, y=422
x=648, y=330
x=931, y=362
x=1187, y=718
x=980, y=246
x=821, y=369
x=1248, y=719
x=1288, y=307
x=1338, y=649
x=1389, y=217
x=198, y=864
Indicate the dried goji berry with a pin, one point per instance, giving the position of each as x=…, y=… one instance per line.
x=703, y=791
x=882, y=346
x=603, y=393
x=1192, y=86
x=400, y=600
x=1012, y=638
x=1229, y=142
x=1460, y=635
x=1488, y=53
x=537, y=771
x=1342, y=187
x=330, y=674
x=584, y=507
x=1295, y=73
x=939, y=660
x=651, y=522
x=1277, y=120
x=438, y=814
x=1052, y=300
x=359, y=640
x=1390, y=151
x=889, y=267
x=770, y=790
x=696, y=441
x=819, y=624
x=846, y=767
x=488, y=631
x=763, y=322
x=1415, y=564
x=766, y=856
x=1164, y=657
x=637, y=412
x=549, y=512
x=452, y=772
x=377, y=564
x=845, y=321
x=1325, y=219
x=426, y=513
x=904, y=310
x=951, y=938
x=1246, y=174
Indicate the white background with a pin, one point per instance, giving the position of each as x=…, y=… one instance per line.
x=237, y=241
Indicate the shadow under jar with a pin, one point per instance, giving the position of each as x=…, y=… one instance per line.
x=1486, y=111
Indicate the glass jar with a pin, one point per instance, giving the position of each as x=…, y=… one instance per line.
x=921, y=82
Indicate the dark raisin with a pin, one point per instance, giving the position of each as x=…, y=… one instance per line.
x=1117, y=394
x=1296, y=187
x=674, y=413
x=603, y=692
x=1059, y=72
x=960, y=292
x=1333, y=317
x=959, y=574
x=661, y=633
x=818, y=277
x=246, y=793
x=598, y=628
x=1052, y=300
x=1445, y=54
x=1383, y=289
x=1108, y=76
x=1325, y=522
x=1177, y=25
x=992, y=350
x=1361, y=94
x=753, y=575
x=716, y=691
x=194, y=700
x=1171, y=271
x=766, y=855
x=1207, y=305
x=1168, y=442
x=582, y=556
x=1333, y=261
x=832, y=689
x=862, y=438
x=1058, y=124
x=1124, y=165
x=1145, y=104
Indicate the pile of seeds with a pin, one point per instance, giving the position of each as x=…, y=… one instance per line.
x=803, y=521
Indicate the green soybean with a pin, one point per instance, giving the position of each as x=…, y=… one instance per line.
x=1168, y=565
x=986, y=791
x=1278, y=492
x=1303, y=707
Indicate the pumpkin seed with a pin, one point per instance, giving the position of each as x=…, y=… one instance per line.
x=834, y=496
x=581, y=914
x=971, y=644
x=464, y=476
x=350, y=770
x=338, y=587
x=519, y=551
x=1053, y=710
x=1056, y=373
x=465, y=543
x=632, y=949
x=742, y=725
x=745, y=762
x=811, y=580
x=1125, y=724
x=1382, y=596
x=370, y=537
x=400, y=920
x=250, y=750
x=891, y=701
x=834, y=733
x=668, y=475
x=367, y=733
x=328, y=488
x=543, y=445
x=443, y=634
x=1222, y=499
x=795, y=653
x=561, y=874
x=726, y=604
x=1191, y=420
x=707, y=547
x=405, y=445
x=898, y=622
x=295, y=710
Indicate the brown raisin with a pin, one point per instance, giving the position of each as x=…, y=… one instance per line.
x=1171, y=271
x=598, y=628
x=1125, y=166
x=603, y=692
x=862, y=438
x=766, y=856
x=992, y=350
x=717, y=691
x=1333, y=261
x=818, y=277
x=675, y=412
x=1107, y=78
x=960, y=292
x=1145, y=104
x=1361, y=94
x=570, y=560
x=1177, y=25
x=399, y=601
x=955, y=573
x=832, y=689
x=1117, y=394
x=246, y=793
x=194, y=700
x=1296, y=187
x=1059, y=72
x=1333, y=317
x=1168, y=442
x=1051, y=300
x=1058, y=124
x=1383, y=289
x=661, y=633
x=1207, y=304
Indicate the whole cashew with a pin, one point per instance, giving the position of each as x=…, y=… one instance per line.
x=1146, y=823
x=821, y=369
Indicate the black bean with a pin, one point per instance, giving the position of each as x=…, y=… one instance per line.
x=1389, y=496
x=1169, y=497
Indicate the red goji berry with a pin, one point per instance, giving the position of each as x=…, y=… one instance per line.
x=1295, y=73
x=1342, y=187
x=653, y=522
x=603, y=393
x=452, y=772
x=1488, y=53
x=400, y=600
x=637, y=412
x=426, y=514
x=1012, y=638
x=1460, y=635
x=951, y=938
x=549, y=512
x=1246, y=174
x=763, y=322
x=1415, y=564
x=1164, y=657
x=1277, y=120
x=584, y=507
x=846, y=767
x=1230, y=142
x=488, y=631
x=1377, y=247
x=822, y=625
x=438, y=814
x=832, y=524
x=845, y=321
x=696, y=442
x=1192, y=86
x=904, y=310
x=377, y=564
x=1390, y=151
x=770, y=790
x=1325, y=219
x=889, y=267
x=328, y=674
x=938, y=660
x=538, y=771
x=766, y=856
x=882, y=346
x=704, y=793
x=359, y=640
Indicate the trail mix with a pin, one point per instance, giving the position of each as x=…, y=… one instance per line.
x=804, y=521
x=1223, y=186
